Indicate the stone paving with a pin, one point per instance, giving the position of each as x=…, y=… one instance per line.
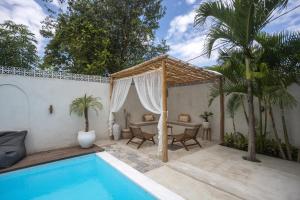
x=136, y=160
x=145, y=158
x=212, y=172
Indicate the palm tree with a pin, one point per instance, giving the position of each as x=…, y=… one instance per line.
x=81, y=106
x=276, y=58
x=236, y=24
x=280, y=52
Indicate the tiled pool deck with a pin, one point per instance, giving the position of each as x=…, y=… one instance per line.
x=145, y=158
x=213, y=172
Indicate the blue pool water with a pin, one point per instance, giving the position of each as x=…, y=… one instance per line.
x=84, y=177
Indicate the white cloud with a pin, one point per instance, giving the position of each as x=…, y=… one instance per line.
x=180, y=24
x=187, y=42
x=190, y=1
x=26, y=12
x=56, y=3
x=192, y=48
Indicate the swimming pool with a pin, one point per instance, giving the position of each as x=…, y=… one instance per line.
x=83, y=177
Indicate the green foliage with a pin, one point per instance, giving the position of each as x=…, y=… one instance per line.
x=233, y=103
x=205, y=115
x=270, y=146
x=232, y=67
x=280, y=52
x=99, y=36
x=80, y=104
x=17, y=46
x=235, y=140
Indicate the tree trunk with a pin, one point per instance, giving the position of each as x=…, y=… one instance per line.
x=86, y=117
x=260, y=116
x=244, y=110
x=251, y=127
x=266, y=119
x=233, y=124
x=286, y=137
x=261, y=141
x=275, y=133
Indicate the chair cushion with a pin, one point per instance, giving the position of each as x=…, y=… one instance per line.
x=148, y=117
x=184, y=118
x=12, y=147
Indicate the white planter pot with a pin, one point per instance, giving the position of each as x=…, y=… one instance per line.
x=116, y=131
x=86, y=139
x=205, y=124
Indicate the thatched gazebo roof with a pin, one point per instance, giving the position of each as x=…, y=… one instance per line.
x=177, y=71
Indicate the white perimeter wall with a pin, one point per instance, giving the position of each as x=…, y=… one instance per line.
x=24, y=104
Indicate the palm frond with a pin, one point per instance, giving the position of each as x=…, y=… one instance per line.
x=220, y=10
x=79, y=105
x=221, y=33
x=233, y=103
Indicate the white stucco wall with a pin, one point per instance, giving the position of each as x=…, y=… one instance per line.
x=193, y=100
x=24, y=103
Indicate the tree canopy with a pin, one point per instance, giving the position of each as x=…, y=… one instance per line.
x=17, y=46
x=98, y=36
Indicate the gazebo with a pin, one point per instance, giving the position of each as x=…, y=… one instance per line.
x=152, y=79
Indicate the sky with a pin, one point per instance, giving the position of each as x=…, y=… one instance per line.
x=176, y=27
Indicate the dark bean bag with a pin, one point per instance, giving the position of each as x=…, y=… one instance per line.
x=12, y=147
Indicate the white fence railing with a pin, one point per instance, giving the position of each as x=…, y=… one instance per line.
x=52, y=74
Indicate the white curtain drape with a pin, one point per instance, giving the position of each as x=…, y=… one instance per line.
x=120, y=91
x=148, y=88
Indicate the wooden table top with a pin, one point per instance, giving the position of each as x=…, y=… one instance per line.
x=143, y=123
x=187, y=124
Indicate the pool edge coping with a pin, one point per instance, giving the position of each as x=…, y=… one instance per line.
x=154, y=188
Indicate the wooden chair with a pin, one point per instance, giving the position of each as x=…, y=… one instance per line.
x=139, y=134
x=189, y=134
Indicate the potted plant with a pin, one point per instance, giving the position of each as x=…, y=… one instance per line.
x=81, y=107
x=205, y=116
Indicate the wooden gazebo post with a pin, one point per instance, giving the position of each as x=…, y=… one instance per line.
x=111, y=87
x=164, y=113
x=222, y=111
x=111, y=84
